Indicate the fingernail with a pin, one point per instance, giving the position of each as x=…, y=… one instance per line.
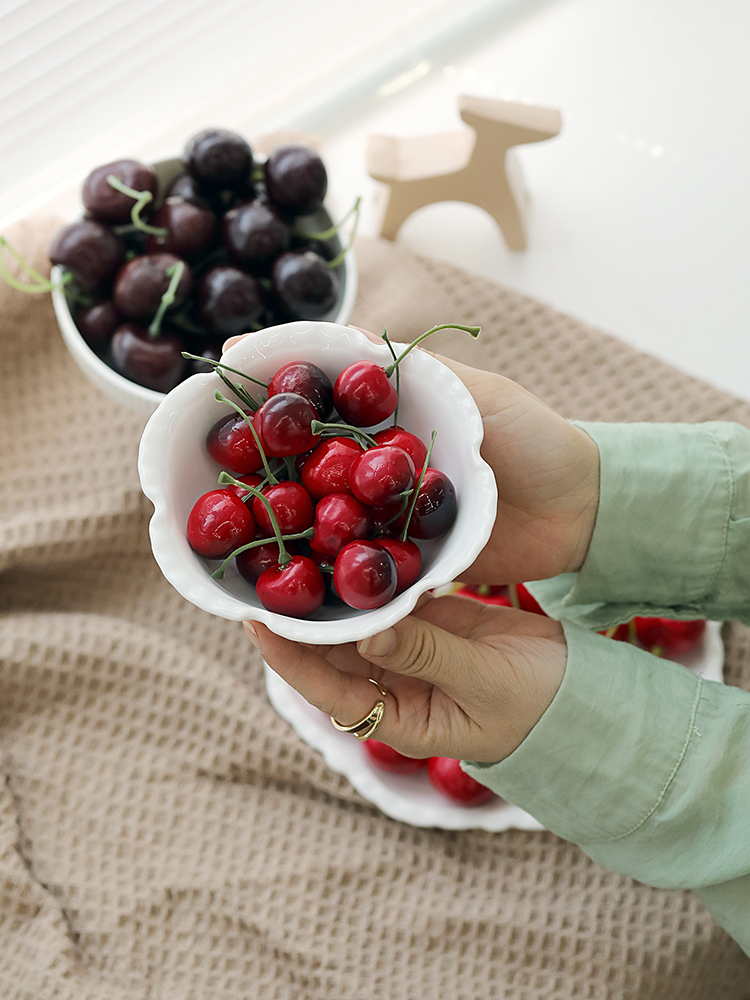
x=252, y=635
x=379, y=645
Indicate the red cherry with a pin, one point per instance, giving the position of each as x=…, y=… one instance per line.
x=671, y=637
x=231, y=444
x=327, y=468
x=446, y=775
x=388, y=759
x=435, y=508
x=291, y=504
x=408, y=559
x=406, y=440
x=283, y=424
x=363, y=394
x=219, y=523
x=252, y=562
x=486, y=594
x=307, y=380
x=528, y=603
x=296, y=589
x=621, y=633
x=339, y=519
x=380, y=475
x=364, y=575
x=385, y=520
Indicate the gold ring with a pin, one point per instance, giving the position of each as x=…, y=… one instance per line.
x=366, y=727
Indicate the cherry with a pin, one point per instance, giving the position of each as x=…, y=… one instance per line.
x=104, y=202
x=252, y=562
x=231, y=444
x=141, y=284
x=218, y=523
x=411, y=444
x=291, y=505
x=435, y=507
x=283, y=424
x=255, y=234
x=308, y=380
x=381, y=475
x=339, y=519
x=486, y=594
x=97, y=323
x=447, y=777
x=229, y=300
x=670, y=637
x=364, y=575
x=408, y=559
x=91, y=251
x=190, y=228
x=621, y=633
x=251, y=479
x=296, y=589
x=218, y=158
x=154, y=362
x=391, y=760
x=385, y=519
x=187, y=187
x=327, y=468
x=363, y=394
x=304, y=285
x=296, y=178
x=526, y=601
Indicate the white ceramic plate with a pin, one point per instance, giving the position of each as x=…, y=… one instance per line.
x=411, y=798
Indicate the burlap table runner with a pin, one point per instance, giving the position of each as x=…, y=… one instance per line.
x=165, y=835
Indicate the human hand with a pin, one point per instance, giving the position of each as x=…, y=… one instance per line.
x=464, y=679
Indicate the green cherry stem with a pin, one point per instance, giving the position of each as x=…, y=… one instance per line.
x=416, y=488
x=387, y=339
x=175, y=273
x=218, y=574
x=39, y=284
x=474, y=331
x=269, y=475
x=332, y=264
x=220, y=364
x=141, y=199
x=284, y=557
x=318, y=427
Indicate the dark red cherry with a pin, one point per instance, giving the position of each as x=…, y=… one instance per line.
x=231, y=445
x=97, y=323
x=292, y=505
x=380, y=475
x=91, y=251
x=229, y=300
x=327, y=468
x=408, y=559
x=385, y=519
x=304, y=285
x=296, y=590
x=670, y=637
x=218, y=158
x=339, y=519
x=411, y=444
x=187, y=187
x=296, y=178
x=447, y=777
x=104, y=202
x=391, y=760
x=190, y=229
x=364, y=575
x=283, y=425
x=363, y=394
x=308, y=380
x=255, y=234
x=154, y=362
x=141, y=283
x=435, y=508
x=252, y=562
x=219, y=523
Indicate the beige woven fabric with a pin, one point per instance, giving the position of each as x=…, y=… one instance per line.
x=165, y=836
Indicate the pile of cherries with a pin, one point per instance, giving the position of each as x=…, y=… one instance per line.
x=227, y=249
x=313, y=507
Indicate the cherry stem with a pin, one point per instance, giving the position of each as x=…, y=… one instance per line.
x=513, y=595
x=142, y=198
x=318, y=427
x=474, y=331
x=219, y=573
x=175, y=273
x=387, y=339
x=327, y=234
x=40, y=285
x=269, y=475
x=220, y=364
x=284, y=557
x=415, y=494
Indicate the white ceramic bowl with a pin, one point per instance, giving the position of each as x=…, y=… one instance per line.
x=138, y=397
x=175, y=469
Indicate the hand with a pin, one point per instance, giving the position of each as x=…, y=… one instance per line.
x=464, y=679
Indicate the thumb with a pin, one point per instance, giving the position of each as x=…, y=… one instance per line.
x=418, y=648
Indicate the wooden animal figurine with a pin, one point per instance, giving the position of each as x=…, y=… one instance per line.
x=475, y=165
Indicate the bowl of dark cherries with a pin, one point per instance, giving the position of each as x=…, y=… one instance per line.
x=317, y=480
x=172, y=258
